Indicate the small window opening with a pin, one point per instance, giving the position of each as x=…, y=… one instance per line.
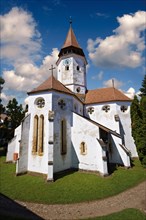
x=67, y=67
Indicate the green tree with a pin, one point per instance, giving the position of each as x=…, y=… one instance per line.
x=15, y=112
x=143, y=88
x=136, y=119
x=2, y=108
x=138, y=122
x=142, y=144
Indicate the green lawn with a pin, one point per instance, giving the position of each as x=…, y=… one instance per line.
x=72, y=188
x=127, y=214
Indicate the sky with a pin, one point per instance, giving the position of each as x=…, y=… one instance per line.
x=110, y=32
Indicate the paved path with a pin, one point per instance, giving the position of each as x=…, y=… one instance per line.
x=132, y=198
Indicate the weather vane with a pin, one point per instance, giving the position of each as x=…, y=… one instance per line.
x=70, y=20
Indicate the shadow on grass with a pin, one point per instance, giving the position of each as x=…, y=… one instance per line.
x=11, y=210
x=64, y=173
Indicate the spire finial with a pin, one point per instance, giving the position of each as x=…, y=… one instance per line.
x=70, y=21
x=113, y=83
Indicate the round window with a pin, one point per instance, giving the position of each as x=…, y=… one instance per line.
x=40, y=103
x=78, y=89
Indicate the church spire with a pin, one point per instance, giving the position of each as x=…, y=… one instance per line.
x=71, y=44
x=71, y=38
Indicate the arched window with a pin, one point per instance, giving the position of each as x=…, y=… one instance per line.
x=63, y=137
x=35, y=134
x=83, y=149
x=41, y=134
x=78, y=68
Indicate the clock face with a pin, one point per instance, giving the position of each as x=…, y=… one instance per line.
x=66, y=62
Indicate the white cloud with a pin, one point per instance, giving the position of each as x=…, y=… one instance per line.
x=20, y=47
x=125, y=47
x=5, y=98
x=113, y=82
x=27, y=76
x=99, y=76
x=20, y=40
x=130, y=92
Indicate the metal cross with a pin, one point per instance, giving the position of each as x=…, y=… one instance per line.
x=90, y=110
x=52, y=68
x=123, y=108
x=61, y=103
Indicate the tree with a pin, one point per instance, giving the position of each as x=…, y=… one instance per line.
x=142, y=144
x=136, y=119
x=143, y=88
x=2, y=108
x=16, y=113
x=138, y=122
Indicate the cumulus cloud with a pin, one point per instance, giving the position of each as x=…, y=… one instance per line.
x=20, y=39
x=130, y=93
x=27, y=76
x=99, y=76
x=20, y=47
x=113, y=82
x=5, y=98
x=125, y=47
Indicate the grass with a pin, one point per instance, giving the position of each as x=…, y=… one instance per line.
x=72, y=188
x=127, y=214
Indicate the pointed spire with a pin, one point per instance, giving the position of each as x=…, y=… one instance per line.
x=71, y=38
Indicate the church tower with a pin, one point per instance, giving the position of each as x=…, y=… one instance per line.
x=71, y=65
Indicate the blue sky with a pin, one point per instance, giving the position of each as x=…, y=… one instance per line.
x=110, y=32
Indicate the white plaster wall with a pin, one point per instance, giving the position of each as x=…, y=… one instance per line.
x=62, y=162
x=124, y=158
x=125, y=128
x=14, y=144
x=78, y=106
x=38, y=163
x=85, y=131
x=108, y=119
x=105, y=118
x=73, y=78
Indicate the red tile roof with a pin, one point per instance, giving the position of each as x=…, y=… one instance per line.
x=51, y=84
x=105, y=95
x=71, y=40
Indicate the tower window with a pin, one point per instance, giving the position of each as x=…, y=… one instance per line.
x=78, y=89
x=66, y=67
x=78, y=68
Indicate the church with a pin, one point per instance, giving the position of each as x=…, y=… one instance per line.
x=68, y=126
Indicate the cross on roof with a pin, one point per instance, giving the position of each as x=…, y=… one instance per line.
x=61, y=103
x=52, y=68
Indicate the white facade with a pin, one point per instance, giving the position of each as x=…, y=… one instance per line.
x=62, y=132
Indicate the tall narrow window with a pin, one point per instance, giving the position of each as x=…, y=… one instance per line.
x=41, y=134
x=35, y=134
x=63, y=137
x=83, y=149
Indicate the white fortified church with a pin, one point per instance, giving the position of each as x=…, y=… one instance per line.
x=68, y=126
